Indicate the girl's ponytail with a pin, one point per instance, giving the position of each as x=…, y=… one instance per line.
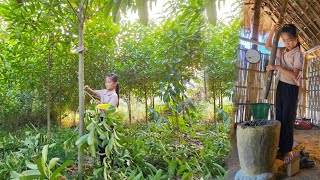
x=117, y=91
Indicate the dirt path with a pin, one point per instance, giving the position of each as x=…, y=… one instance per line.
x=310, y=139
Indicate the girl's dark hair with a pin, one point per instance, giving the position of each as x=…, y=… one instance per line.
x=290, y=29
x=114, y=78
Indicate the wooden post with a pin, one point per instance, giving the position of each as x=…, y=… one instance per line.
x=317, y=90
x=252, y=93
x=274, y=49
x=304, y=87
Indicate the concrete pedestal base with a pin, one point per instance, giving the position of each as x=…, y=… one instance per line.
x=265, y=176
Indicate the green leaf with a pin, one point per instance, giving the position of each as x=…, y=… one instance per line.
x=180, y=106
x=14, y=175
x=53, y=162
x=219, y=168
x=56, y=173
x=115, y=10
x=31, y=165
x=132, y=174
x=52, y=145
x=82, y=140
x=187, y=176
x=158, y=174
x=108, y=8
x=154, y=169
x=41, y=166
x=172, y=165
x=92, y=150
x=181, y=169
x=138, y=177
x=115, y=135
x=143, y=11
x=191, y=105
x=30, y=174
x=110, y=144
x=45, y=153
x=91, y=137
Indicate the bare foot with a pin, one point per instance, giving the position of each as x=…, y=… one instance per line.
x=288, y=157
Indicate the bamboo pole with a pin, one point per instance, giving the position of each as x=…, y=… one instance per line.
x=317, y=94
x=252, y=93
x=311, y=91
x=274, y=49
x=304, y=88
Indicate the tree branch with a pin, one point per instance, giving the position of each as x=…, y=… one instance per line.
x=59, y=14
x=85, y=11
x=75, y=12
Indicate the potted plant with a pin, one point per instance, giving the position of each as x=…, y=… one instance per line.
x=257, y=143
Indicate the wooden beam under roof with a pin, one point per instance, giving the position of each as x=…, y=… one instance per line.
x=296, y=4
x=303, y=22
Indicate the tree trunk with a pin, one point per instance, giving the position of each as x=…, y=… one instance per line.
x=59, y=100
x=153, y=102
x=129, y=107
x=214, y=101
x=146, y=102
x=205, y=85
x=177, y=120
x=211, y=9
x=81, y=89
x=221, y=96
x=49, y=95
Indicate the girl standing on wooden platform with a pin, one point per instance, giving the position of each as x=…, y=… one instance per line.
x=289, y=66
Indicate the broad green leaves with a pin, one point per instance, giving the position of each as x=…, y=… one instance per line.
x=42, y=169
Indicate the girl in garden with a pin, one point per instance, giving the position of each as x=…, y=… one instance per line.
x=110, y=94
x=289, y=66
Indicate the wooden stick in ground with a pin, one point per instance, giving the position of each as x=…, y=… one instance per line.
x=274, y=49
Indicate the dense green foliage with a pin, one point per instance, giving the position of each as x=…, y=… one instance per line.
x=154, y=152
x=156, y=61
x=151, y=61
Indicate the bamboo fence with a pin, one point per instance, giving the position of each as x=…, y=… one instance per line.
x=313, y=91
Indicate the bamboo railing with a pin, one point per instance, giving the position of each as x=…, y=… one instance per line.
x=313, y=91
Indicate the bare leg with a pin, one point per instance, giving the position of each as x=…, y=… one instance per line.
x=288, y=157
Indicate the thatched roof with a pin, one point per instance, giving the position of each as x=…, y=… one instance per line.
x=305, y=14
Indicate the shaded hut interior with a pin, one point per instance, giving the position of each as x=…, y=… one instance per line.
x=250, y=83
